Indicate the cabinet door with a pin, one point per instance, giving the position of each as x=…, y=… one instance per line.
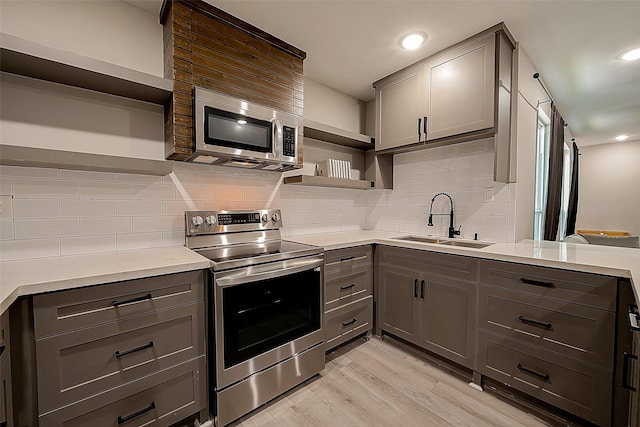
x=399, y=303
x=460, y=89
x=447, y=326
x=399, y=106
x=634, y=397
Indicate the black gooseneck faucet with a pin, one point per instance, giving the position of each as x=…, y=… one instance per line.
x=452, y=231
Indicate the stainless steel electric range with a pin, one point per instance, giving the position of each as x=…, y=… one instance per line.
x=265, y=316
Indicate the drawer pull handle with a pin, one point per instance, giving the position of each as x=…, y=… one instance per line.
x=349, y=323
x=536, y=282
x=133, y=350
x=535, y=322
x=415, y=288
x=349, y=258
x=532, y=372
x=344, y=288
x=422, y=289
x=151, y=407
x=2, y=348
x=129, y=301
x=625, y=370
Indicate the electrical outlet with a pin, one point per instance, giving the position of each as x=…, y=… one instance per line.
x=6, y=207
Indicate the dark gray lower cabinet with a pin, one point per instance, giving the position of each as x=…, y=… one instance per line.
x=6, y=409
x=125, y=353
x=429, y=299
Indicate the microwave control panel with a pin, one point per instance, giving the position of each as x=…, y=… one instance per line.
x=288, y=141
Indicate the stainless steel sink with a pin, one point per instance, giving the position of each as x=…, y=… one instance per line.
x=476, y=245
x=421, y=239
x=466, y=244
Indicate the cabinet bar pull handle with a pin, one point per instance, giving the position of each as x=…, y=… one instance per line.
x=415, y=288
x=625, y=370
x=422, y=289
x=633, y=317
x=419, y=129
x=536, y=282
x=351, y=322
x=344, y=288
x=151, y=407
x=532, y=372
x=349, y=258
x=2, y=348
x=128, y=301
x=133, y=350
x=425, y=128
x=535, y=322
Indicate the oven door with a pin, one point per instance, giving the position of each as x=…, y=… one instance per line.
x=265, y=314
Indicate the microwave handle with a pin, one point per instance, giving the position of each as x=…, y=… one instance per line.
x=277, y=134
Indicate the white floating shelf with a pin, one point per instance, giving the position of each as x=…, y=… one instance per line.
x=31, y=59
x=323, y=181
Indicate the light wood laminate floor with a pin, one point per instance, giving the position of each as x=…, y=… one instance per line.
x=377, y=383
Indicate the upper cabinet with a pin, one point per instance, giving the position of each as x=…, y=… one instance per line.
x=400, y=109
x=460, y=94
x=446, y=95
x=459, y=87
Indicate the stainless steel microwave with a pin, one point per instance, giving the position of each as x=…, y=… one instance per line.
x=233, y=132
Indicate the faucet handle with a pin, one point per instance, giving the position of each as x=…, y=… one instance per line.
x=457, y=232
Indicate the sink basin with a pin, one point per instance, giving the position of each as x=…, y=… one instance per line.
x=466, y=244
x=422, y=239
x=476, y=245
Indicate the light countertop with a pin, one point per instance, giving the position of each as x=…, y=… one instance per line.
x=28, y=277
x=607, y=260
x=36, y=276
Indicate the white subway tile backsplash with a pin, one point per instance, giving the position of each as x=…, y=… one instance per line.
x=139, y=241
x=153, y=191
x=139, y=207
x=73, y=212
x=11, y=250
x=104, y=190
x=85, y=208
x=89, y=244
x=43, y=228
x=105, y=225
x=36, y=208
x=148, y=224
x=6, y=229
x=28, y=188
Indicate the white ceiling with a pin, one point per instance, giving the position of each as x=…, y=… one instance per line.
x=574, y=44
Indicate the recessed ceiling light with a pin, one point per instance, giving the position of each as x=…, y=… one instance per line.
x=632, y=55
x=621, y=137
x=412, y=41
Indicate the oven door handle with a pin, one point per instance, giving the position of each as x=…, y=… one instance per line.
x=296, y=266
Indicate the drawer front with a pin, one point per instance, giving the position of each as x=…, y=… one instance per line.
x=158, y=400
x=344, y=262
x=348, y=321
x=580, y=288
x=75, y=365
x=569, y=384
x=576, y=331
x=4, y=336
x=347, y=289
x=74, y=309
x=436, y=264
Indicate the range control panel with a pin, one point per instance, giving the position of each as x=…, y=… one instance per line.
x=213, y=222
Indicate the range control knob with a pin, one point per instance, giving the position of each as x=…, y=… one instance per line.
x=197, y=220
x=210, y=220
x=275, y=217
x=265, y=218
